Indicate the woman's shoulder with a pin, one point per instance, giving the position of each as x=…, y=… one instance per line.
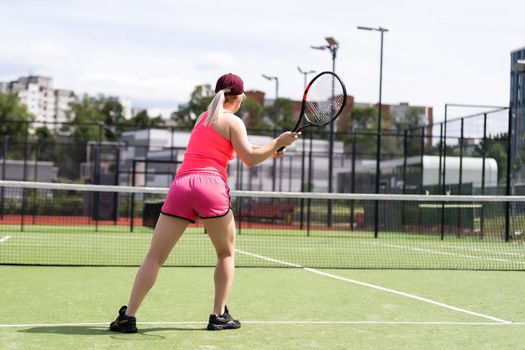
x=231, y=119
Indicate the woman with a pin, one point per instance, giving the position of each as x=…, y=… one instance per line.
x=200, y=190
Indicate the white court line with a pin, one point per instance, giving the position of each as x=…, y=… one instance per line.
x=436, y=323
x=267, y=258
x=369, y=285
x=5, y=238
x=440, y=252
x=522, y=255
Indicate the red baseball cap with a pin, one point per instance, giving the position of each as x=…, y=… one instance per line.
x=232, y=82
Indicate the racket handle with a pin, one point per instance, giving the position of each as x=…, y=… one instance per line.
x=280, y=149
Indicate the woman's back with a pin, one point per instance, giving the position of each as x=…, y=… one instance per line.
x=209, y=149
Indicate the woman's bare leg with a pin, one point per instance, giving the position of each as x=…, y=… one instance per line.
x=222, y=234
x=167, y=232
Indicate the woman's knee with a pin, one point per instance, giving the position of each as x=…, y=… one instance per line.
x=154, y=260
x=225, y=254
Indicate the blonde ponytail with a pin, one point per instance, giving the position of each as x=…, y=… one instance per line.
x=216, y=107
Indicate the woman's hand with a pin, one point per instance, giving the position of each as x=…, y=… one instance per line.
x=278, y=155
x=287, y=138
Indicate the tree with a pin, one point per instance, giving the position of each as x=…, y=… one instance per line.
x=143, y=121
x=287, y=109
x=46, y=143
x=363, y=118
x=14, y=117
x=252, y=112
x=93, y=119
x=96, y=118
x=113, y=116
x=286, y=113
x=87, y=119
x=496, y=148
x=410, y=119
x=362, y=121
x=199, y=101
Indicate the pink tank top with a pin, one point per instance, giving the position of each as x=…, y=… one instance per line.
x=207, y=151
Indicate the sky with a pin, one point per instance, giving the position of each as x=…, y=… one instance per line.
x=155, y=52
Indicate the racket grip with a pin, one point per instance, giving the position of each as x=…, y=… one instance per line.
x=280, y=149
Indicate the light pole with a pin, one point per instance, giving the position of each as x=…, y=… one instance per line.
x=513, y=128
x=517, y=70
x=518, y=96
x=305, y=73
x=276, y=119
x=378, y=149
x=332, y=46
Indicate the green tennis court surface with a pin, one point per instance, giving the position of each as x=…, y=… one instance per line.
x=70, y=308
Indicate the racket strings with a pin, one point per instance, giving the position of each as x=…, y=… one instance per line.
x=325, y=98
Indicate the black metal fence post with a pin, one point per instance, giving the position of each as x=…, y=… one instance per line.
x=508, y=188
x=310, y=185
x=274, y=164
x=405, y=160
x=460, y=185
x=303, y=161
x=132, y=204
x=352, y=180
x=483, y=159
x=378, y=177
x=441, y=144
x=24, y=174
x=4, y=164
x=404, y=186
x=422, y=157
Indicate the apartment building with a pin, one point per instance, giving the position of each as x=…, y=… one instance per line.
x=47, y=104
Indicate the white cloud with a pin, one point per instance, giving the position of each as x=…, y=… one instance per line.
x=215, y=61
x=157, y=51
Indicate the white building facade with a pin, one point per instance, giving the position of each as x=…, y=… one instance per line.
x=48, y=105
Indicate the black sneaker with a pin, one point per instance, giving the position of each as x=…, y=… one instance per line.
x=123, y=323
x=224, y=321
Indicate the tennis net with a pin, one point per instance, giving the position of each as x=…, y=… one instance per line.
x=95, y=225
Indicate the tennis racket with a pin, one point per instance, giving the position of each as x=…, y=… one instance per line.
x=323, y=101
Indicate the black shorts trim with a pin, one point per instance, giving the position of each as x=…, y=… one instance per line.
x=180, y=217
x=218, y=216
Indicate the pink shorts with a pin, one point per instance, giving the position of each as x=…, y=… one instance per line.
x=200, y=194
